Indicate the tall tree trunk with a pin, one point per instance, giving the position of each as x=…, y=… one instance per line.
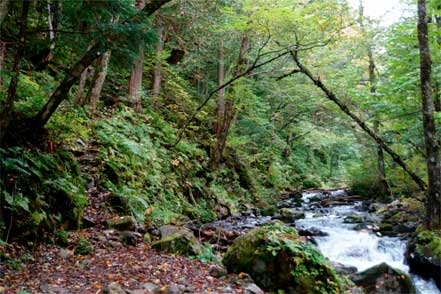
x=381, y=172
x=80, y=93
x=99, y=77
x=228, y=114
x=331, y=96
x=220, y=103
x=2, y=62
x=135, y=81
x=437, y=94
x=7, y=107
x=157, y=78
x=382, y=180
x=4, y=9
x=432, y=148
x=50, y=55
x=77, y=69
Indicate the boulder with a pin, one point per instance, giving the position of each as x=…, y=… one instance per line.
x=179, y=241
x=122, y=223
x=253, y=289
x=353, y=219
x=113, y=288
x=384, y=279
x=423, y=255
x=343, y=269
x=289, y=215
x=277, y=258
x=312, y=232
x=268, y=211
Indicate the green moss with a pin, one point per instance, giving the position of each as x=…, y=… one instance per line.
x=276, y=258
x=180, y=243
x=428, y=243
x=83, y=247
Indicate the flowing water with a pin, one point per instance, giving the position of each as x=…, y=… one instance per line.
x=360, y=248
x=344, y=244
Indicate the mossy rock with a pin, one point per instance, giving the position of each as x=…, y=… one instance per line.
x=289, y=215
x=268, y=211
x=276, y=258
x=424, y=255
x=384, y=279
x=122, y=223
x=354, y=219
x=179, y=241
x=83, y=247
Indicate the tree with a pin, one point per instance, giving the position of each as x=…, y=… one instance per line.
x=433, y=201
x=382, y=180
x=101, y=46
x=135, y=81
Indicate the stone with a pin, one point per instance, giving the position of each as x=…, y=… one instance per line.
x=147, y=238
x=113, y=288
x=179, y=241
x=277, y=258
x=343, y=269
x=384, y=279
x=289, y=215
x=312, y=232
x=150, y=288
x=122, y=223
x=423, y=255
x=52, y=289
x=354, y=219
x=268, y=211
x=64, y=253
x=129, y=238
x=217, y=271
x=253, y=289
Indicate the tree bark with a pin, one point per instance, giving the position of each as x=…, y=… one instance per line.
x=79, y=96
x=331, y=96
x=381, y=172
x=99, y=77
x=437, y=94
x=4, y=9
x=157, y=76
x=2, y=62
x=228, y=113
x=135, y=81
x=220, y=103
x=74, y=73
x=7, y=107
x=433, y=201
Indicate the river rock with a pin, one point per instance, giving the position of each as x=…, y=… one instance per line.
x=384, y=279
x=178, y=240
x=253, y=289
x=289, y=215
x=354, y=219
x=343, y=269
x=276, y=258
x=268, y=211
x=423, y=255
x=113, y=288
x=122, y=223
x=312, y=232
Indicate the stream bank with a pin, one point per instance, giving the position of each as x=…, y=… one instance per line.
x=341, y=228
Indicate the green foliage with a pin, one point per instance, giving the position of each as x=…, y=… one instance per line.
x=428, y=243
x=14, y=263
x=208, y=255
x=83, y=247
x=40, y=190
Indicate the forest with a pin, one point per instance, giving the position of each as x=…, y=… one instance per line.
x=219, y=146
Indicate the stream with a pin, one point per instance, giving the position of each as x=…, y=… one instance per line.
x=360, y=248
x=344, y=244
